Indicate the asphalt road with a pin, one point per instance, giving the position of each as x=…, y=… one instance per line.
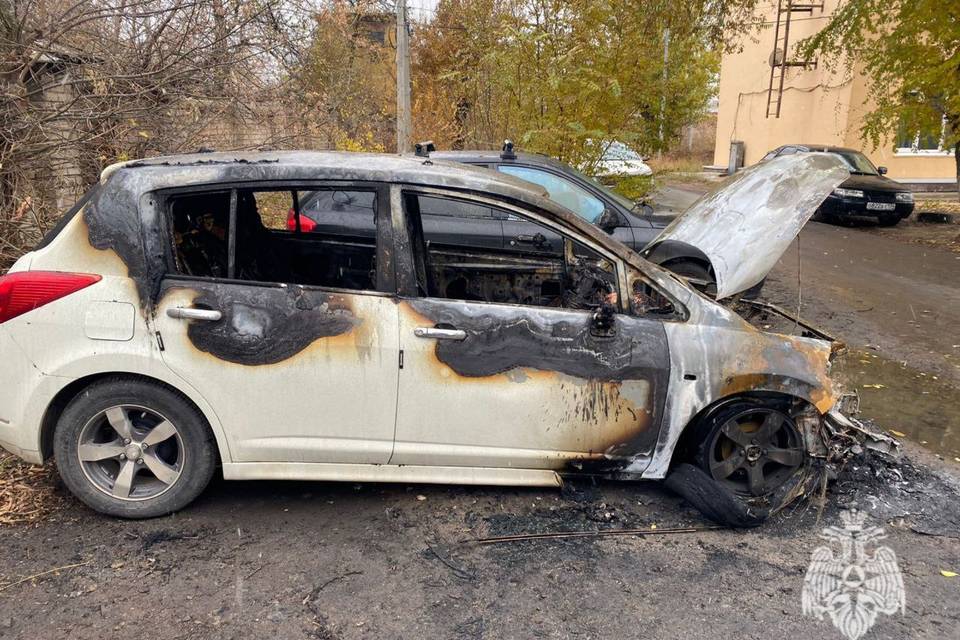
x=875, y=291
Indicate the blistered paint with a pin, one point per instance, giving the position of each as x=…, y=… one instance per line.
x=610, y=388
x=264, y=325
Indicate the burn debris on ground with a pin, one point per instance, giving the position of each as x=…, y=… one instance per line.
x=927, y=500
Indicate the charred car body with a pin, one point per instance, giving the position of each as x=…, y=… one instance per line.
x=173, y=322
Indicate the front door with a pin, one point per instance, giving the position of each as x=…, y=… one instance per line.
x=290, y=336
x=511, y=369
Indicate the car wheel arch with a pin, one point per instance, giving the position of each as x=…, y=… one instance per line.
x=762, y=397
x=62, y=399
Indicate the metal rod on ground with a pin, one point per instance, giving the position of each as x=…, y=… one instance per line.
x=403, y=79
x=591, y=534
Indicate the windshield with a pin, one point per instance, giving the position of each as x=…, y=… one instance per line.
x=857, y=163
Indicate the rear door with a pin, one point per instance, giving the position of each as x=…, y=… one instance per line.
x=503, y=365
x=291, y=337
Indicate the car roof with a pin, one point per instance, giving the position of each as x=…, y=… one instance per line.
x=327, y=165
x=478, y=155
x=819, y=147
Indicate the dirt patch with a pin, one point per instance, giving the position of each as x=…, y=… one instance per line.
x=325, y=560
x=943, y=236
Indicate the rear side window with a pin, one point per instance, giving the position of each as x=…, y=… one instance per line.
x=321, y=237
x=339, y=211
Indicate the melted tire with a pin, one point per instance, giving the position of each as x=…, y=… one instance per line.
x=201, y=456
x=718, y=501
x=712, y=499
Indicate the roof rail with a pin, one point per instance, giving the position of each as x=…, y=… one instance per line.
x=424, y=149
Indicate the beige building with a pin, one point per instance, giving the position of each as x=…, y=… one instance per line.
x=815, y=105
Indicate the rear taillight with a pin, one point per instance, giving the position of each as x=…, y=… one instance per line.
x=306, y=224
x=25, y=291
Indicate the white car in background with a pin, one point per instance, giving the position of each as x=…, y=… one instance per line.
x=620, y=160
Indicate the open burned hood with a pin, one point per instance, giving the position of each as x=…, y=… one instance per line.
x=745, y=225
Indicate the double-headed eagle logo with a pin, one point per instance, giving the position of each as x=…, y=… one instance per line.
x=855, y=586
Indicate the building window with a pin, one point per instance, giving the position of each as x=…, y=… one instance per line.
x=928, y=142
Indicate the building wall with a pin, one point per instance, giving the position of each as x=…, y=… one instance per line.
x=818, y=106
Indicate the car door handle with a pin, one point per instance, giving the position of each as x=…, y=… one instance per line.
x=186, y=313
x=537, y=239
x=440, y=334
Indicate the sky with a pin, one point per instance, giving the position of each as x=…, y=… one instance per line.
x=422, y=10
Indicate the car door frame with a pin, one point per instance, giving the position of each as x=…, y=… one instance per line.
x=161, y=243
x=406, y=277
x=638, y=443
x=623, y=220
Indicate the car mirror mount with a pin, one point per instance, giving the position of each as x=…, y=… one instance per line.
x=608, y=220
x=603, y=322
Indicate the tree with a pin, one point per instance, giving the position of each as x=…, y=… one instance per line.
x=557, y=74
x=348, y=75
x=88, y=83
x=910, y=51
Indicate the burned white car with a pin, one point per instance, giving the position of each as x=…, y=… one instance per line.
x=175, y=322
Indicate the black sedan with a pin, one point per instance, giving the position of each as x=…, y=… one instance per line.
x=867, y=193
x=635, y=224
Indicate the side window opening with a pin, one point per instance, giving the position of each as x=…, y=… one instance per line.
x=274, y=240
x=536, y=266
x=200, y=233
x=647, y=301
x=561, y=191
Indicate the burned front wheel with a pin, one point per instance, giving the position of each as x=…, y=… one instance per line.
x=752, y=450
x=744, y=462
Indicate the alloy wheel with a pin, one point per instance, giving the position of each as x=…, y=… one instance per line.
x=756, y=451
x=131, y=452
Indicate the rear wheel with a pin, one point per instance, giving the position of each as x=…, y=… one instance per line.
x=133, y=449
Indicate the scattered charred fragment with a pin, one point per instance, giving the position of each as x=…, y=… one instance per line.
x=265, y=325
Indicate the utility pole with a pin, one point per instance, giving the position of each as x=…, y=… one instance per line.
x=663, y=95
x=404, y=125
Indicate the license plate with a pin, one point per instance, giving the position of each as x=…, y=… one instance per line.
x=881, y=206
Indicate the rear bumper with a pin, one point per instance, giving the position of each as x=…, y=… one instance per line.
x=857, y=208
x=20, y=384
